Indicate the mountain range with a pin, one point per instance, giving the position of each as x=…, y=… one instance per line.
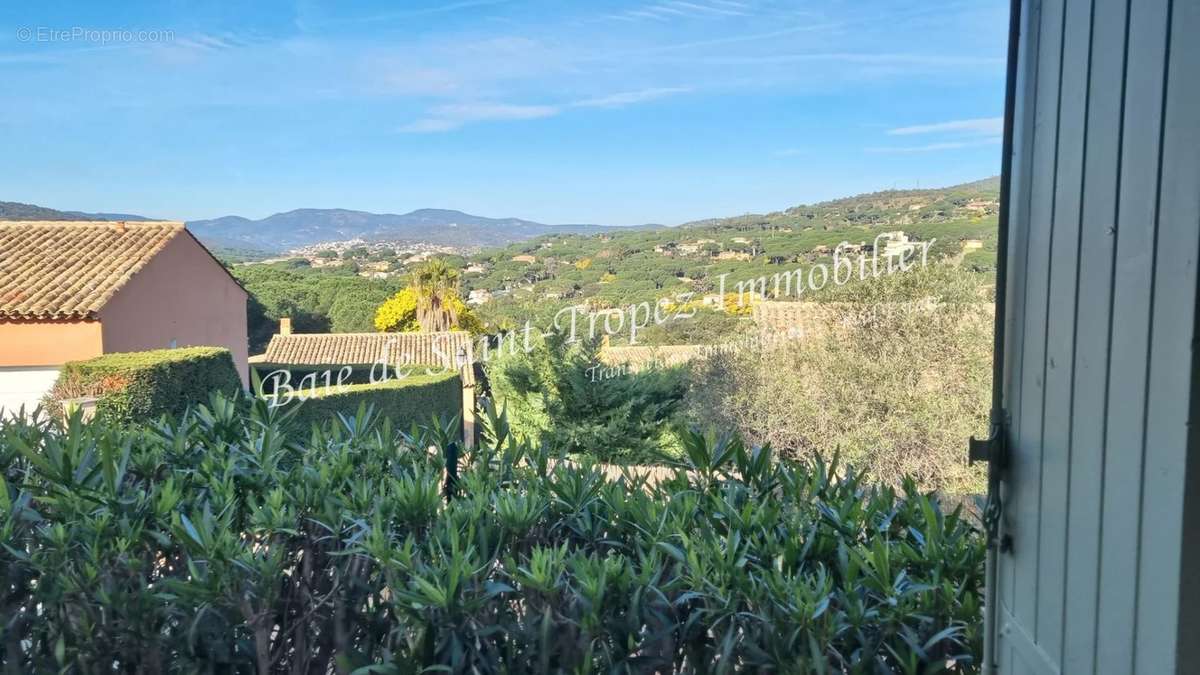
x=302, y=227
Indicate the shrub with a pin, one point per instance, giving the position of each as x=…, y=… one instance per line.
x=416, y=399
x=141, y=386
x=560, y=391
x=980, y=260
x=222, y=542
x=359, y=374
x=399, y=313
x=896, y=375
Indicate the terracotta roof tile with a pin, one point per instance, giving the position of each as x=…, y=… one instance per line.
x=338, y=349
x=69, y=270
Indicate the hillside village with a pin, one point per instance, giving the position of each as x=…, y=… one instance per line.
x=714, y=272
x=372, y=260
x=532, y=280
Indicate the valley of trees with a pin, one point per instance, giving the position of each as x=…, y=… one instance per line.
x=897, y=394
x=534, y=280
x=318, y=301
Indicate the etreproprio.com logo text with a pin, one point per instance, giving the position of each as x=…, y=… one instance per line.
x=101, y=36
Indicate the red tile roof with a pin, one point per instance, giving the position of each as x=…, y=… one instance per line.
x=69, y=270
x=338, y=349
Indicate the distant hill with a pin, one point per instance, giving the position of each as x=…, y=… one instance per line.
x=19, y=211
x=885, y=208
x=455, y=228
x=119, y=216
x=302, y=227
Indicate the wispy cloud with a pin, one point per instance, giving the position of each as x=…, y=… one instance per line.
x=934, y=147
x=450, y=117
x=430, y=125
x=198, y=47
x=987, y=126
x=210, y=41
x=315, y=23
x=683, y=9
x=629, y=97
x=889, y=59
x=950, y=135
x=726, y=9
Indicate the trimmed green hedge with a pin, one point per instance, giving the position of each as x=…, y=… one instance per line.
x=359, y=373
x=414, y=399
x=141, y=386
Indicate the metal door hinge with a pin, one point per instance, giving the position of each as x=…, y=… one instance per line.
x=994, y=448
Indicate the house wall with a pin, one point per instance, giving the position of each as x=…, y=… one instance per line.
x=48, y=343
x=31, y=353
x=181, y=298
x=1101, y=376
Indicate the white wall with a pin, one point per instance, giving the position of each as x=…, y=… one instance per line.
x=24, y=386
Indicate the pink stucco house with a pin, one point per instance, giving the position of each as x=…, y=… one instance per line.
x=74, y=290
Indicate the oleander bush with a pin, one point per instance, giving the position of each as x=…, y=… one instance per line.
x=135, y=386
x=223, y=543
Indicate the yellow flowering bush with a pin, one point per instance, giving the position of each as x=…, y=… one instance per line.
x=399, y=314
x=737, y=304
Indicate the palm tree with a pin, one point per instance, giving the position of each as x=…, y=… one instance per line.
x=436, y=286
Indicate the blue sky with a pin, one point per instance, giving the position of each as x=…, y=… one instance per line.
x=608, y=112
